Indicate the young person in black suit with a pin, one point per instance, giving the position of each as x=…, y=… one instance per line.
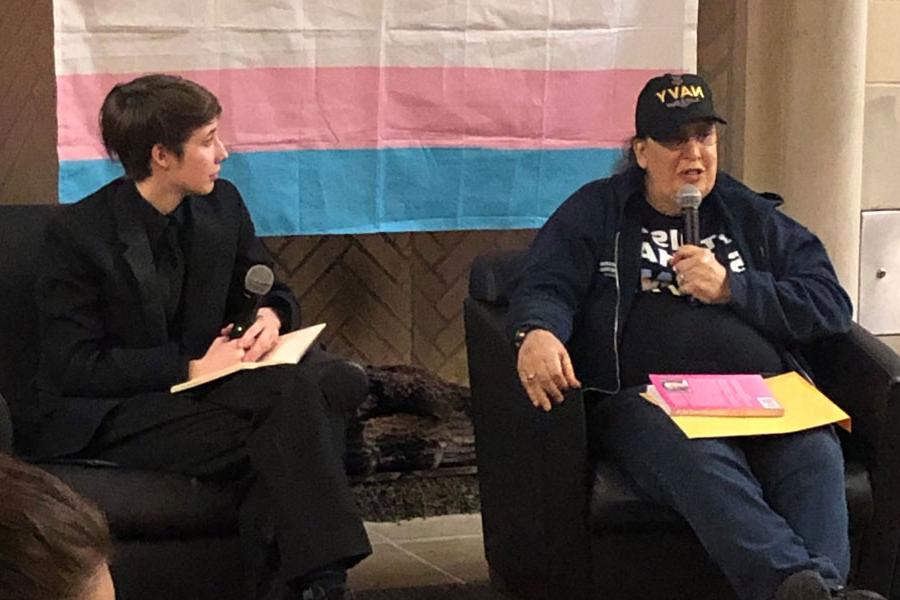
x=142, y=285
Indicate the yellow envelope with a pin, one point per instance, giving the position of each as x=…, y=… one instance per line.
x=805, y=407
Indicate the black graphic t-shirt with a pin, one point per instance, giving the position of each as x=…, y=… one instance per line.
x=661, y=238
x=666, y=333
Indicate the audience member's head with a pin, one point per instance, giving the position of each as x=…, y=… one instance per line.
x=54, y=544
x=150, y=110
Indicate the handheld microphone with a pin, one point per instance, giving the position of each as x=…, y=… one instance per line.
x=688, y=198
x=257, y=283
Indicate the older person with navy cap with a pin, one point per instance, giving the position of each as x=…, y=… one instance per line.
x=610, y=293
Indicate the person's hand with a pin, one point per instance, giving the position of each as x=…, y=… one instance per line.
x=699, y=274
x=545, y=369
x=222, y=353
x=261, y=336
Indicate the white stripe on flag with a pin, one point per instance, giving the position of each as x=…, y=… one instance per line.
x=108, y=36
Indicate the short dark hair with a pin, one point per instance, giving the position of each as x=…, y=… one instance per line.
x=53, y=540
x=153, y=109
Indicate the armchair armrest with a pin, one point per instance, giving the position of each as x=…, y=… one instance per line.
x=532, y=466
x=6, y=432
x=491, y=273
x=862, y=375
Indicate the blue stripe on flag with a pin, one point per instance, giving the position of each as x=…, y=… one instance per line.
x=390, y=189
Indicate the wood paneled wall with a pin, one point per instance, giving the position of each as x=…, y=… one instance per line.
x=721, y=55
x=28, y=165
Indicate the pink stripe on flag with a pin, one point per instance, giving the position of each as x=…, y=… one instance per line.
x=371, y=107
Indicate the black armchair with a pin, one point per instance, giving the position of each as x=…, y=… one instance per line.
x=176, y=537
x=560, y=522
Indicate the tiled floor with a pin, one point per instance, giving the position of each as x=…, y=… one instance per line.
x=421, y=552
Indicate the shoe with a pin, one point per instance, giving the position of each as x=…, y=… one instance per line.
x=344, y=384
x=849, y=593
x=809, y=585
x=803, y=585
x=326, y=584
x=318, y=592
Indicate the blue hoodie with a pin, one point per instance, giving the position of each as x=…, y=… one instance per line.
x=582, y=272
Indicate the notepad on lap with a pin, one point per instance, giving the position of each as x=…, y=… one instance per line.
x=713, y=395
x=289, y=350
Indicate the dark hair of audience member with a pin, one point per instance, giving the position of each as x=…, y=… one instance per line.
x=150, y=110
x=53, y=542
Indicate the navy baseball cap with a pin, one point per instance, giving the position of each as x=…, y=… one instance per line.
x=669, y=101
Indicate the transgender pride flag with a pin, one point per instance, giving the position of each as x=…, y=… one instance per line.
x=382, y=115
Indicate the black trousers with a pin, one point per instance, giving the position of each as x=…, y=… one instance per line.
x=279, y=439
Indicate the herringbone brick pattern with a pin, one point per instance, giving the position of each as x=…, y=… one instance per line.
x=28, y=166
x=440, y=273
x=359, y=285
x=390, y=298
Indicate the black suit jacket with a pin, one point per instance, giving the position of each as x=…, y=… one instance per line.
x=104, y=336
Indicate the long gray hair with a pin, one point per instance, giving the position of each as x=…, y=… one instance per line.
x=628, y=160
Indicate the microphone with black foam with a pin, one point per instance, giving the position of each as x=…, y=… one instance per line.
x=257, y=283
x=688, y=198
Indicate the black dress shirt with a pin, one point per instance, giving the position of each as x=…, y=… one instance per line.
x=169, y=237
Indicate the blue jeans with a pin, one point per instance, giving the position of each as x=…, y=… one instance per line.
x=763, y=507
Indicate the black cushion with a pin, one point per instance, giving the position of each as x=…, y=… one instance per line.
x=616, y=504
x=148, y=505
x=6, y=432
x=859, y=495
